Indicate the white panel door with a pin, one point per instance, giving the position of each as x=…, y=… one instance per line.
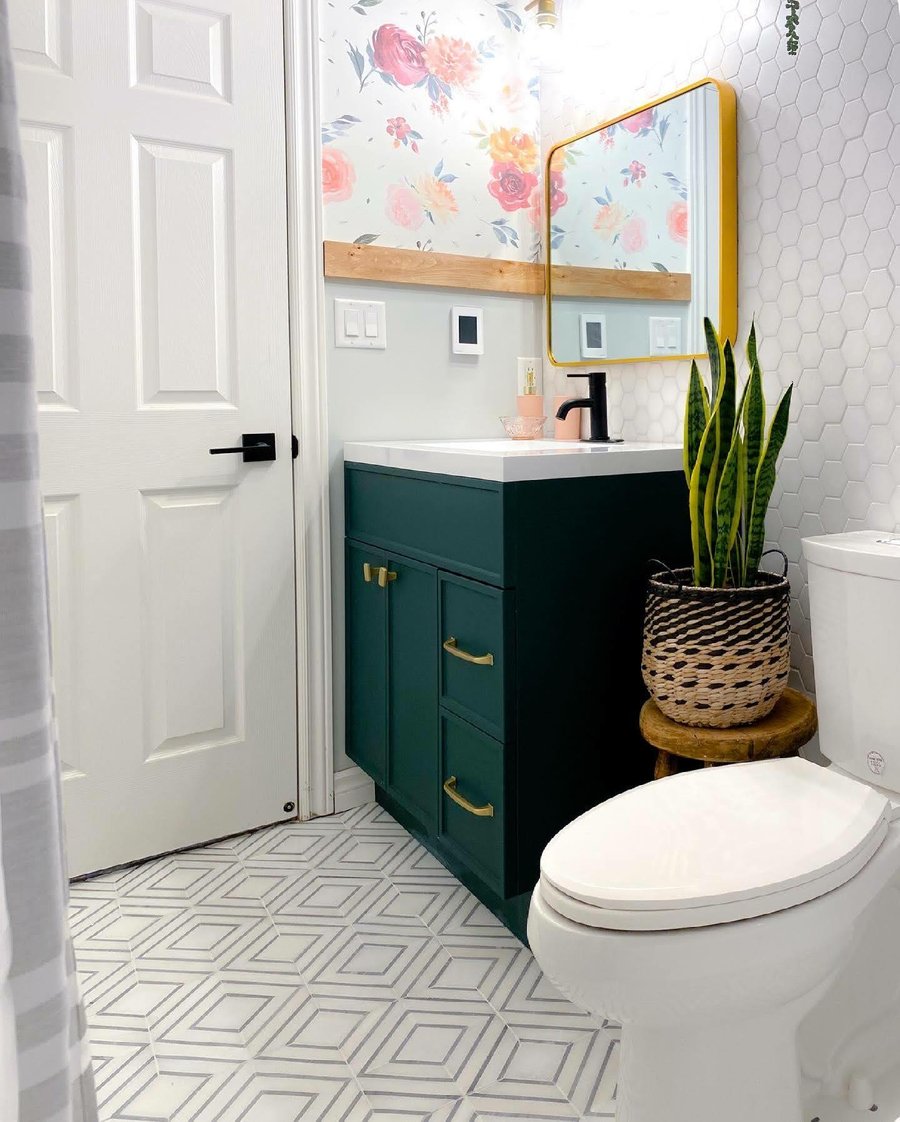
x=154, y=148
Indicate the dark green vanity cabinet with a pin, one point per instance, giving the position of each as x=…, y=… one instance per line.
x=493, y=655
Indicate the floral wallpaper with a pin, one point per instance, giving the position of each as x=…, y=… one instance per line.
x=620, y=197
x=431, y=133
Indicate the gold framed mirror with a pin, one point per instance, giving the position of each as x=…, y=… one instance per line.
x=641, y=231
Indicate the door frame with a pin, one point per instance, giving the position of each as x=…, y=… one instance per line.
x=306, y=302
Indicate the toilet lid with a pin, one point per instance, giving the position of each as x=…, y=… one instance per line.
x=714, y=845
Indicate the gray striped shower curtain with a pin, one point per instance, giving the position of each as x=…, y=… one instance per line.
x=44, y=1066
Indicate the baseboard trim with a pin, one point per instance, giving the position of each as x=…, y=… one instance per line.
x=352, y=787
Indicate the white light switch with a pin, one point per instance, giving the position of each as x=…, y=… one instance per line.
x=360, y=323
x=665, y=335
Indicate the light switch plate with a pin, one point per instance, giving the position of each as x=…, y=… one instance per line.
x=665, y=335
x=360, y=323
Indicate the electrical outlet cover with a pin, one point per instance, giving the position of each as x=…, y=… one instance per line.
x=523, y=367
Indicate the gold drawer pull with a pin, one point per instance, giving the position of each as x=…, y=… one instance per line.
x=368, y=572
x=486, y=811
x=479, y=660
x=385, y=575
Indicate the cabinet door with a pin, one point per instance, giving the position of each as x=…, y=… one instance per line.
x=366, y=663
x=413, y=732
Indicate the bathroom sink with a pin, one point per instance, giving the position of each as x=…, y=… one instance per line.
x=513, y=461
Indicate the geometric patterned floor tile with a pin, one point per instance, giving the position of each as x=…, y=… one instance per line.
x=491, y=1108
x=119, y=1069
x=332, y=970
x=524, y=996
x=470, y=970
x=464, y=920
x=428, y=1047
x=373, y=963
x=266, y=1091
x=325, y=1028
x=368, y=850
x=594, y=1091
x=545, y=1064
x=295, y=846
x=224, y=1017
x=174, y=1089
x=329, y=894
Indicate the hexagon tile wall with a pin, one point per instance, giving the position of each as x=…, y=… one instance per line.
x=819, y=232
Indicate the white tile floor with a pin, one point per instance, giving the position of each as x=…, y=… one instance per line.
x=331, y=970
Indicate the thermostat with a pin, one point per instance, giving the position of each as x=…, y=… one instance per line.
x=593, y=335
x=467, y=331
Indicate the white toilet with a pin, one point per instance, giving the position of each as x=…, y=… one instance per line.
x=743, y=923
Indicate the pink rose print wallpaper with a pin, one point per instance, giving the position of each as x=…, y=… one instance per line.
x=624, y=194
x=431, y=128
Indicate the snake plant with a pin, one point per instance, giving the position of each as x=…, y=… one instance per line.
x=729, y=465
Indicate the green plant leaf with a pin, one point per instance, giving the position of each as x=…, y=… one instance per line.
x=709, y=491
x=714, y=350
x=754, y=424
x=697, y=503
x=696, y=416
x=728, y=398
x=728, y=510
x=752, y=356
x=724, y=411
x=764, y=484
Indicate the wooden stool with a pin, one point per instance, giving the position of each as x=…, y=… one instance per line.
x=783, y=733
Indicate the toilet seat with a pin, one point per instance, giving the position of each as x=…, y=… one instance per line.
x=714, y=846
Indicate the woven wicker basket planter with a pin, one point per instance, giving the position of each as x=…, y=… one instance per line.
x=716, y=657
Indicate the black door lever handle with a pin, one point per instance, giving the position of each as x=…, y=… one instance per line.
x=255, y=447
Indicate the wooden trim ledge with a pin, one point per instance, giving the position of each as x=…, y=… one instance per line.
x=446, y=270
x=620, y=284
x=349, y=261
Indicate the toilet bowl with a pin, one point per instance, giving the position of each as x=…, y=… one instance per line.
x=731, y=919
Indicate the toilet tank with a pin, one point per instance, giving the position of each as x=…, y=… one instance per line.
x=854, y=604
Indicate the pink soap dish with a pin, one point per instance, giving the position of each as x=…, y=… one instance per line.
x=524, y=428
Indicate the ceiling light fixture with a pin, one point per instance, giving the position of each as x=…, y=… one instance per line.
x=547, y=15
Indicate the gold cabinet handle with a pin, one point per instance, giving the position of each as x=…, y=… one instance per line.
x=450, y=647
x=382, y=575
x=486, y=811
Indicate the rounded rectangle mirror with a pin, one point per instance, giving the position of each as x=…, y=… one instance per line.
x=641, y=229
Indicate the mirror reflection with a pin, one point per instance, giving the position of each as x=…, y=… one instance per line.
x=641, y=222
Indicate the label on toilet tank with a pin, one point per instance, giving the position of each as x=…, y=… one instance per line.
x=875, y=760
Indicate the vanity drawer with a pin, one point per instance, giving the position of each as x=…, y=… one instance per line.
x=448, y=522
x=472, y=800
x=476, y=642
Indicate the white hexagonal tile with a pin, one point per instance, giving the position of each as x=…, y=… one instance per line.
x=834, y=442
x=820, y=250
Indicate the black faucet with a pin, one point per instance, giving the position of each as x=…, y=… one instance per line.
x=596, y=404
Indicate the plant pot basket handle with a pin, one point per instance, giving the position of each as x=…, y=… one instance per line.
x=660, y=567
x=783, y=557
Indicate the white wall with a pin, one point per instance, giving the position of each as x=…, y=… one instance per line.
x=416, y=388
x=819, y=259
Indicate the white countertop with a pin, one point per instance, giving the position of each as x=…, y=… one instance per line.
x=515, y=461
